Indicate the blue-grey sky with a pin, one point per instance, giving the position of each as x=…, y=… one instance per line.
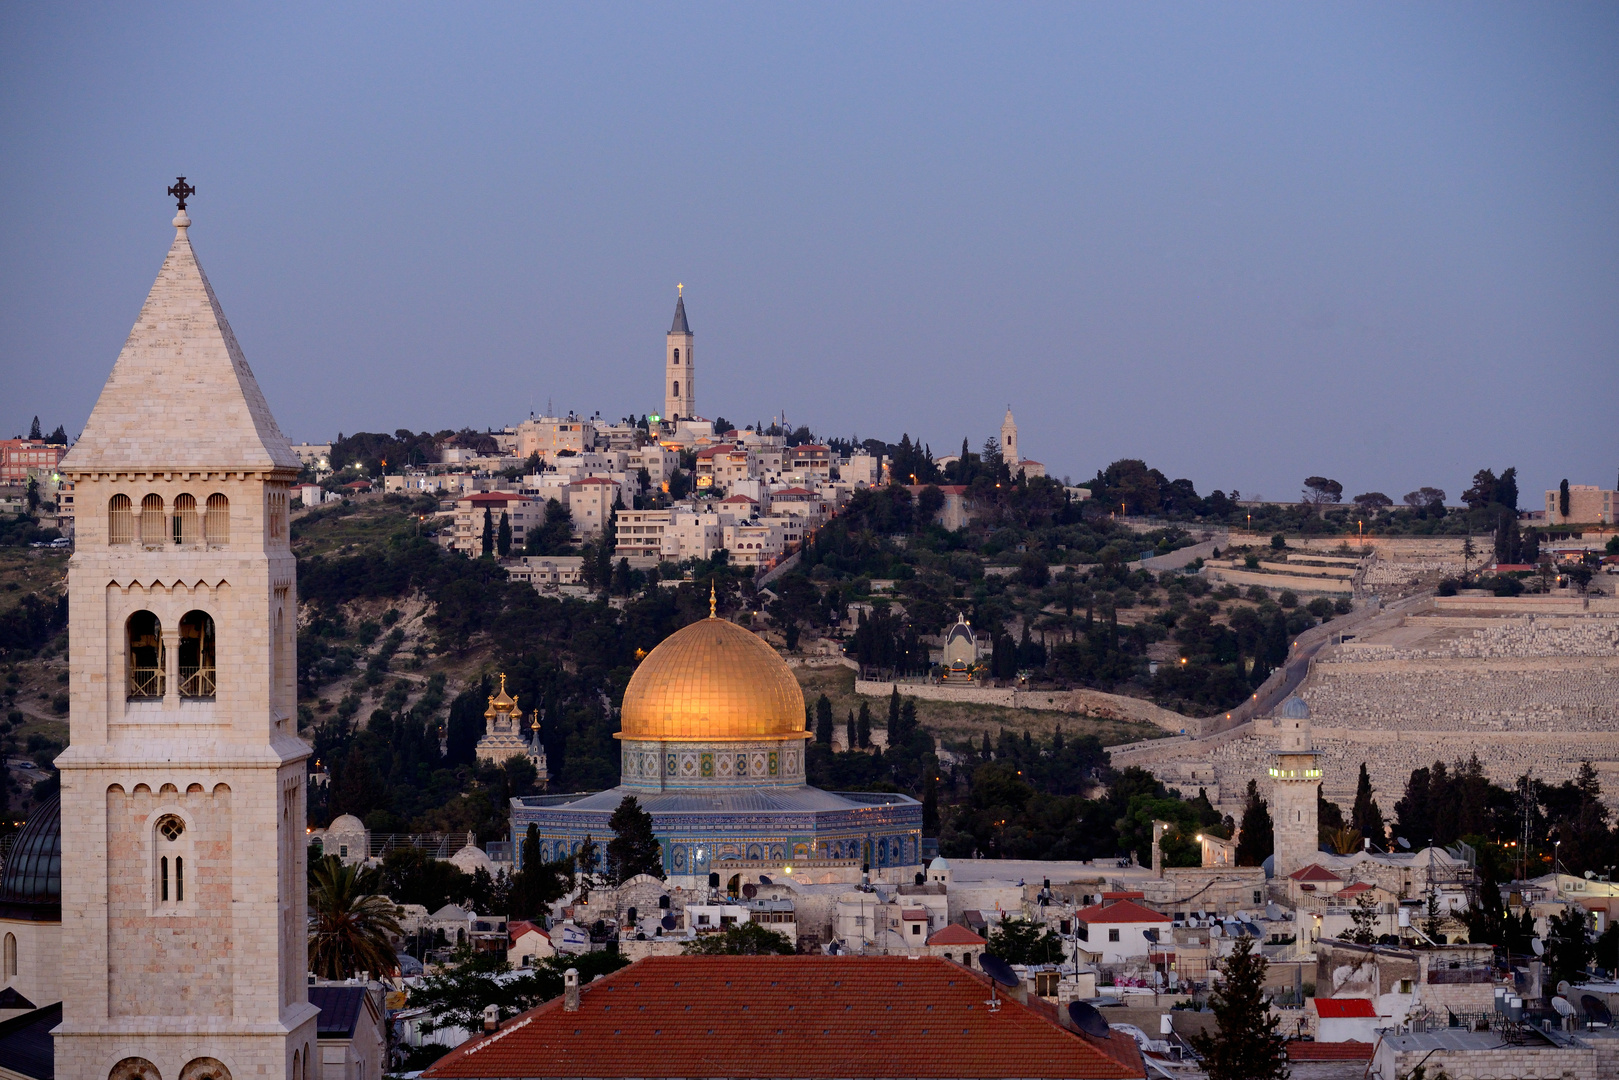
x=1244, y=242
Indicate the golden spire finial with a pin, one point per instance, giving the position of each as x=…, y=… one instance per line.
x=711, y=598
x=680, y=289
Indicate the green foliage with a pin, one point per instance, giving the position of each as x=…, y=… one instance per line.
x=1018, y=941
x=1568, y=944
x=457, y=996
x=351, y=922
x=1257, y=840
x=744, y=939
x=633, y=849
x=1245, y=1044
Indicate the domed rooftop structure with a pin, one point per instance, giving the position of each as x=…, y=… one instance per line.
x=33, y=872
x=346, y=823
x=713, y=681
x=1294, y=708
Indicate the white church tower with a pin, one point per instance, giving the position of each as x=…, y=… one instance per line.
x=183, y=879
x=679, y=377
x=1009, y=443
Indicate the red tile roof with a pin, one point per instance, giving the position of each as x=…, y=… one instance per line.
x=1345, y=1008
x=1350, y=1050
x=955, y=934
x=911, y=914
x=479, y=498
x=1314, y=872
x=1124, y=911
x=1352, y=890
x=803, y=1016
x=1109, y=897
x=523, y=926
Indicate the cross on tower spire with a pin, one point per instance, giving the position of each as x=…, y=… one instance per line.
x=181, y=191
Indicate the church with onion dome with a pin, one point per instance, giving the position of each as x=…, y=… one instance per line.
x=712, y=745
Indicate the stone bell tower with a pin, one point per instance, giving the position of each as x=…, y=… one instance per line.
x=679, y=377
x=183, y=878
x=1295, y=786
x=1009, y=444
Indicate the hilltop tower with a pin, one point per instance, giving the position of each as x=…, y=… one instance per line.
x=1295, y=786
x=1009, y=443
x=679, y=376
x=183, y=879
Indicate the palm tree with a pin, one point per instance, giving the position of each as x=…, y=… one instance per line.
x=352, y=923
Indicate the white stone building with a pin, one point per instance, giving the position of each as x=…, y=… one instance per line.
x=183, y=878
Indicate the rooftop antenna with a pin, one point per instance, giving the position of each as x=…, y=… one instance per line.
x=999, y=971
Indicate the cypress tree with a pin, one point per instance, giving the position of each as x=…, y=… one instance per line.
x=1366, y=818
x=930, y=806
x=907, y=720
x=863, y=727
x=893, y=715
x=503, y=536
x=1245, y=1044
x=1258, y=839
x=488, y=532
x=823, y=720
x=850, y=739
x=633, y=849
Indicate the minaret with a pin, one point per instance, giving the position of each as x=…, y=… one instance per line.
x=1295, y=785
x=1009, y=444
x=679, y=377
x=183, y=880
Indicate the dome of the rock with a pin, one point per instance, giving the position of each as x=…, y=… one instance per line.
x=713, y=681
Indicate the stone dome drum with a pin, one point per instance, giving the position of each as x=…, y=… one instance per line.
x=712, y=682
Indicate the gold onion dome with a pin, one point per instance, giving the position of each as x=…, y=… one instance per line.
x=713, y=681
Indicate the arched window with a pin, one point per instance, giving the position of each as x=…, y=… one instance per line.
x=217, y=523
x=677, y=389
x=153, y=527
x=277, y=513
x=134, y=1068
x=120, y=521
x=171, y=867
x=187, y=529
x=197, y=655
x=10, y=959
x=279, y=651
x=677, y=356
x=145, y=655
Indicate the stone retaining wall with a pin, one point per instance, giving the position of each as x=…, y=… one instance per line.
x=1091, y=702
x=1333, y=586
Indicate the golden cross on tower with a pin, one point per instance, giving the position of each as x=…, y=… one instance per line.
x=680, y=289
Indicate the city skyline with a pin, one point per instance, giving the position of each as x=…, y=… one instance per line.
x=1239, y=246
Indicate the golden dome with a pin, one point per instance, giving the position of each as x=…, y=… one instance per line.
x=713, y=681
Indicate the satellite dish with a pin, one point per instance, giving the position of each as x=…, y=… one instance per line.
x=999, y=970
x=749, y=891
x=1596, y=1010
x=668, y=922
x=1253, y=929
x=1562, y=1006
x=1403, y=842
x=1215, y=931
x=1088, y=1020
x=765, y=881
x=1538, y=946
x=1562, y=987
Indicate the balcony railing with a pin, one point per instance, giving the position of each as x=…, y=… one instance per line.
x=145, y=682
x=196, y=682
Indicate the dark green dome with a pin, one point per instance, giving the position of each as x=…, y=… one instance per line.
x=33, y=872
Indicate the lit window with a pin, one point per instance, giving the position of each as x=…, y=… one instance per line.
x=144, y=655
